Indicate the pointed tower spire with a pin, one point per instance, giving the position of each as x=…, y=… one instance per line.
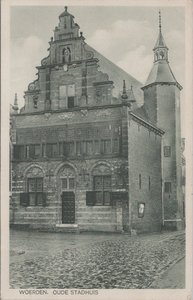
x=131, y=96
x=15, y=105
x=124, y=93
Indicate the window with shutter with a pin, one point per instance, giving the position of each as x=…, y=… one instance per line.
x=102, y=187
x=24, y=199
x=90, y=198
x=35, y=191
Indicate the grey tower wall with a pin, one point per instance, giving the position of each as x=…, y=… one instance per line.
x=166, y=116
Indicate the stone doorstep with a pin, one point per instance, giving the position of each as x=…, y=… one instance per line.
x=67, y=225
x=94, y=209
x=97, y=224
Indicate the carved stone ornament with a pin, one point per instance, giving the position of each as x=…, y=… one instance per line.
x=65, y=68
x=31, y=87
x=47, y=115
x=67, y=116
x=84, y=112
x=101, y=170
x=35, y=172
x=45, y=61
x=103, y=114
x=67, y=171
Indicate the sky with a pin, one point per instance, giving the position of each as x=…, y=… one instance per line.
x=125, y=35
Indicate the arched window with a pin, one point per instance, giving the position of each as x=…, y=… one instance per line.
x=67, y=178
x=34, y=195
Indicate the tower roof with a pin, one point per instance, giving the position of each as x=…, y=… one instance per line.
x=160, y=43
x=161, y=71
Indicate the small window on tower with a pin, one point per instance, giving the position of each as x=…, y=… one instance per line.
x=141, y=210
x=167, y=151
x=168, y=187
x=162, y=55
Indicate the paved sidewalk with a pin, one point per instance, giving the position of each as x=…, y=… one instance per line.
x=173, y=278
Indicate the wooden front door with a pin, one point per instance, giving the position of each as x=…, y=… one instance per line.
x=68, y=208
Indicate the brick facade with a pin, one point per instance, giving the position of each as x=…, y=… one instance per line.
x=83, y=159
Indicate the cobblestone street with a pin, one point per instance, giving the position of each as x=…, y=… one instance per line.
x=54, y=260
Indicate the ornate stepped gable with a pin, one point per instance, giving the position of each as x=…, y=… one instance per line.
x=70, y=76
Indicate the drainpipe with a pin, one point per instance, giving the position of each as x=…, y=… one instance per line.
x=162, y=185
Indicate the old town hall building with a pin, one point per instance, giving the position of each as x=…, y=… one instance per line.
x=84, y=154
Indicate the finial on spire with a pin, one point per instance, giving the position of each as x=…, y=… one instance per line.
x=160, y=21
x=15, y=99
x=124, y=93
x=15, y=106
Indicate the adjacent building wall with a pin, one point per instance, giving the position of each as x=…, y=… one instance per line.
x=144, y=164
